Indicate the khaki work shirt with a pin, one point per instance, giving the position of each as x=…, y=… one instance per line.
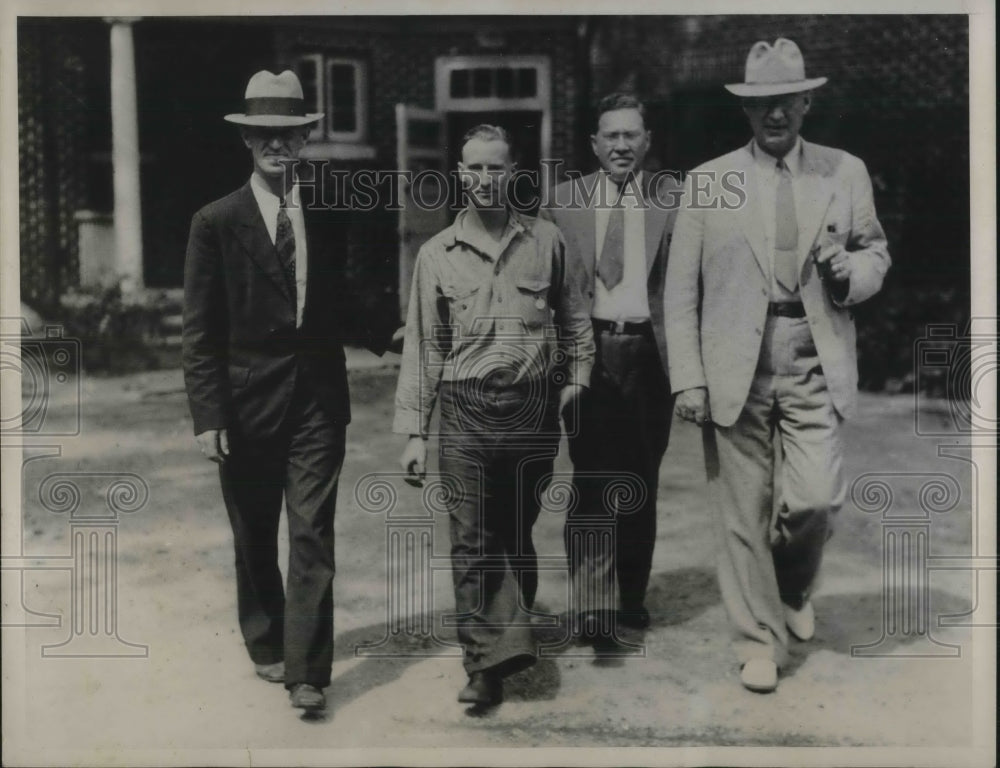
x=479, y=307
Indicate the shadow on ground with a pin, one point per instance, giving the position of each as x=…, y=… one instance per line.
x=674, y=598
x=855, y=624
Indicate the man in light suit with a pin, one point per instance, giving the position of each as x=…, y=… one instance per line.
x=617, y=224
x=266, y=314
x=773, y=245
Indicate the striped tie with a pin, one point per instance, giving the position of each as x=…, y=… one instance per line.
x=786, y=232
x=284, y=243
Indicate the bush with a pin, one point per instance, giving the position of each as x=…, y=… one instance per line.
x=118, y=334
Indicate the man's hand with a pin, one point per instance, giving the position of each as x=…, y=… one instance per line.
x=214, y=444
x=834, y=262
x=414, y=457
x=692, y=405
x=569, y=393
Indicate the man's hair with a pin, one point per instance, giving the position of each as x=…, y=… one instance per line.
x=619, y=100
x=487, y=132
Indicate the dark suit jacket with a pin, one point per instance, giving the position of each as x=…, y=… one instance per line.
x=568, y=209
x=242, y=352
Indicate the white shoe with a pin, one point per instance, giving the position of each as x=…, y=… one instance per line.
x=759, y=675
x=801, y=623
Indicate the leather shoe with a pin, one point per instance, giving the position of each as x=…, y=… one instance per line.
x=484, y=688
x=759, y=675
x=634, y=618
x=307, y=697
x=597, y=630
x=273, y=673
x=801, y=623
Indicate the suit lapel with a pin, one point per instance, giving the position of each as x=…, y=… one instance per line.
x=816, y=192
x=654, y=222
x=252, y=234
x=586, y=226
x=750, y=214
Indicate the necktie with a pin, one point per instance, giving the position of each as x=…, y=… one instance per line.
x=284, y=243
x=611, y=265
x=786, y=232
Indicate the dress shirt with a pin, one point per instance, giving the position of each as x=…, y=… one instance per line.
x=629, y=300
x=480, y=307
x=765, y=169
x=268, y=203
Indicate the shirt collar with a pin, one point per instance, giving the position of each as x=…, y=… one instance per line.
x=468, y=231
x=767, y=162
x=262, y=193
x=613, y=190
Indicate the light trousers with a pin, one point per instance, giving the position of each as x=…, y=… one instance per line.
x=775, y=479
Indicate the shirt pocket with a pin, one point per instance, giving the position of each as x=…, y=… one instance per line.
x=533, y=301
x=461, y=305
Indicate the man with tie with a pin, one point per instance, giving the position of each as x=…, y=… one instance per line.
x=266, y=313
x=762, y=349
x=617, y=224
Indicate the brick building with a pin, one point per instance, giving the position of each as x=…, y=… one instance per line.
x=897, y=97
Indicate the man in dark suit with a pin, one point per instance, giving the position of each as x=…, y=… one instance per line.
x=617, y=224
x=265, y=317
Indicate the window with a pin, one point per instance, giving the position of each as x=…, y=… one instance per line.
x=493, y=82
x=337, y=87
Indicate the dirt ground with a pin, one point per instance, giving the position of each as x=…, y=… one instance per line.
x=194, y=697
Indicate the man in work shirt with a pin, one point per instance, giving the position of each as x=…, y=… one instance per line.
x=497, y=329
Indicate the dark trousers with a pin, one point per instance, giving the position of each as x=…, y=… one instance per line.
x=302, y=463
x=497, y=445
x=621, y=429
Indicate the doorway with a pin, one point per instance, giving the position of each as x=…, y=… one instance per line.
x=513, y=92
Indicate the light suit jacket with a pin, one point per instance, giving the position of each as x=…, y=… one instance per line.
x=576, y=220
x=718, y=277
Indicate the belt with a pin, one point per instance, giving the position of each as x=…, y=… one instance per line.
x=497, y=384
x=786, y=309
x=622, y=329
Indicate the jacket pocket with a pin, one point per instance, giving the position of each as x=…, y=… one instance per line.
x=239, y=376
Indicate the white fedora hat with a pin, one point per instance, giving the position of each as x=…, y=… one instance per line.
x=775, y=69
x=274, y=101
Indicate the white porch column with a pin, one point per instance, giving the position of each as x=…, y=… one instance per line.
x=125, y=155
